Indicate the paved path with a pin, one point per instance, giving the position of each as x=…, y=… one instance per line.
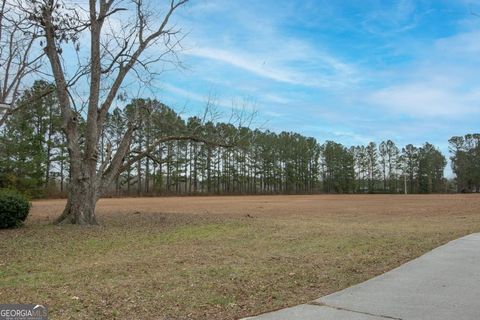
x=443, y=284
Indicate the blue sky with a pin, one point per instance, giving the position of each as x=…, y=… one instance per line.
x=348, y=71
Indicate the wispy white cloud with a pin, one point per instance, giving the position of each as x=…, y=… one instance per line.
x=188, y=94
x=209, y=98
x=323, y=71
x=392, y=20
x=427, y=99
x=275, y=98
x=248, y=63
x=263, y=49
x=212, y=100
x=466, y=44
x=443, y=81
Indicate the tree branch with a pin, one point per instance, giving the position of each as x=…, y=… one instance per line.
x=172, y=138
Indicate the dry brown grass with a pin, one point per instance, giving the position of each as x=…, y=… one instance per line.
x=219, y=257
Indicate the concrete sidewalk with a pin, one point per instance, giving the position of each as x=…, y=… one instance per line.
x=443, y=284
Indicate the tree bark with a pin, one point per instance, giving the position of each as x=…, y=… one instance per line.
x=82, y=199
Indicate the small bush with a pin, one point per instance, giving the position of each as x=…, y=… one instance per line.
x=14, y=208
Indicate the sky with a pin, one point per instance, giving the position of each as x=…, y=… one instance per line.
x=348, y=71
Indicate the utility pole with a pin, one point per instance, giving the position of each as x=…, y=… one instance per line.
x=405, y=183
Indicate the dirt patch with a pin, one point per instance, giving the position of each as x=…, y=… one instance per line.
x=277, y=206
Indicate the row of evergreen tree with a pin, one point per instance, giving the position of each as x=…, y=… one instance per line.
x=33, y=157
x=466, y=162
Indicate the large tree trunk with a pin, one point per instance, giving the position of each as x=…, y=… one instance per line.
x=82, y=199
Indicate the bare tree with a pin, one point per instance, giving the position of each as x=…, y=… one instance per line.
x=18, y=58
x=120, y=35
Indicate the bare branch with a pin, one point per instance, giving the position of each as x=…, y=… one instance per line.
x=154, y=145
x=24, y=104
x=17, y=57
x=128, y=64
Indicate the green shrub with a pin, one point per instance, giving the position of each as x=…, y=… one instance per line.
x=14, y=208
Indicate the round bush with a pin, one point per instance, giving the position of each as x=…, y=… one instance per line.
x=14, y=208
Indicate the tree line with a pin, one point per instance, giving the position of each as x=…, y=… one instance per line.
x=34, y=156
x=466, y=161
x=67, y=137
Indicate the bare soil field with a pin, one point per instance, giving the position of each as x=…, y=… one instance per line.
x=219, y=257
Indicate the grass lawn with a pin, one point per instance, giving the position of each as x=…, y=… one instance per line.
x=219, y=257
